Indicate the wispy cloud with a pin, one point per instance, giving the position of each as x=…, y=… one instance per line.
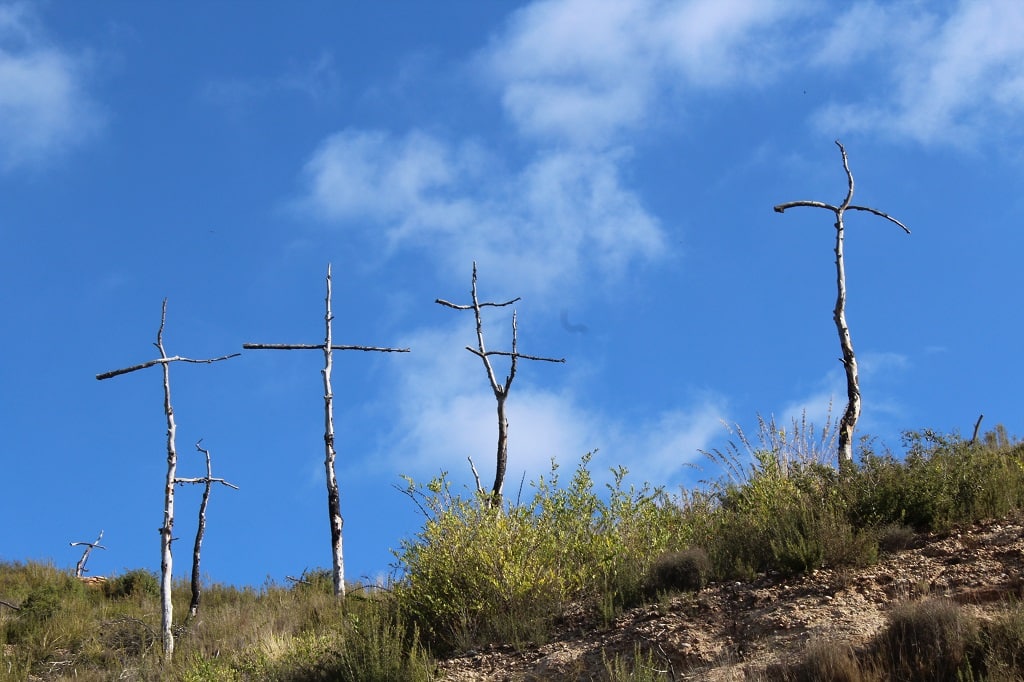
x=949, y=77
x=449, y=413
x=584, y=72
x=315, y=80
x=564, y=215
x=44, y=107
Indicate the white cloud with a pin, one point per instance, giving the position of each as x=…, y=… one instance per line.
x=868, y=27
x=43, y=105
x=950, y=78
x=565, y=214
x=584, y=71
x=659, y=449
x=357, y=174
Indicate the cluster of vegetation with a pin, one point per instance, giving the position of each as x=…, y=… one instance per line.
x=478, y=574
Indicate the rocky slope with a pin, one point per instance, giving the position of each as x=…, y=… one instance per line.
x=736, y=631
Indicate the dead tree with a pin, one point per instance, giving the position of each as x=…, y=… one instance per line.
x=207, y=481
x=500, y=390
x=333, y=496
x=166, y=530
x=89, y=546
x=849, y=360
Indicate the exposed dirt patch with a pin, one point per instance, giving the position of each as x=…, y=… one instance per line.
x=729, y=631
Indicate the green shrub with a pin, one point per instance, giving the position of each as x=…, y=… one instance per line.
x=1004, y=645
x=895, y=537
x=796, y=515
x=639, y=667
x=943, y=481
x=477, y=574
x=42, y=605
x=316, y=580
x=687, y=570
x=379, y=647
x=137, y=583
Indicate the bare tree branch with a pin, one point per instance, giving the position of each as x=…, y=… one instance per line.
x=161, y=361
x=469, y=306
x=476, y=477
x=318, y=346
x=474, y=351
x=781, y=208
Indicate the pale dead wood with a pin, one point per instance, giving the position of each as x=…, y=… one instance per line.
x=208, y=481
x=476, y=474
x=89, y=546
x=500, y=390
x=853, y=407
x=162, y=361
x=333, y=494
x=318, y=346
x=166, y=530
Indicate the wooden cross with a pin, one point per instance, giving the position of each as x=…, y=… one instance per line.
x=333, y=496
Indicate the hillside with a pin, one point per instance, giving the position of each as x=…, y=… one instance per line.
x=751, y=630
x=788, y=569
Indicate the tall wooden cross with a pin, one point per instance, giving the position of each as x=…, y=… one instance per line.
x=333, y=496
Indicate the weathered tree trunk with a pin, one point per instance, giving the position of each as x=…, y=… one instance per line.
x=502, y=460
x=852, y=413
x=197, y=548
x=166, y=531
x=333, y=495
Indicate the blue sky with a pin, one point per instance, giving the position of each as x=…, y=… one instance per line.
x=613, y=163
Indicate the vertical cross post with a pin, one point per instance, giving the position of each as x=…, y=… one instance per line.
x=333, y=496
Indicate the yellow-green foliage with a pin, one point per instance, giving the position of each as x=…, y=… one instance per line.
x=476, y=573
x=62, y=629
x=942, y=481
